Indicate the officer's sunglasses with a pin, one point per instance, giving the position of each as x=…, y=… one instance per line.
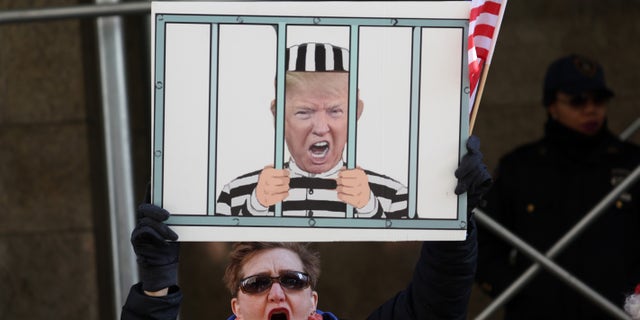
x=580, y=101
x=290, y=280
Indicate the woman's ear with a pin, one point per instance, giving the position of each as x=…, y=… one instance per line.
x=235, y=308
x=314, y=300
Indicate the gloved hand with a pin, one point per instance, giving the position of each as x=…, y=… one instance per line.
x=472, y=174
x=157, y=257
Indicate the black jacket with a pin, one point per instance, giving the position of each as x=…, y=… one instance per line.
x=541, y=190
x=440, y=288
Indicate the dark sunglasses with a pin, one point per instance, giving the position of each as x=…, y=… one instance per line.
x=290, y=280
x=580, y=101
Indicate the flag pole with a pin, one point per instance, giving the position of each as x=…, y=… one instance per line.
x=485, y=69
x=476, y=102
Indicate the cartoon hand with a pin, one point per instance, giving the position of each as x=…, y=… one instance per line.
x=273, y=186
x=353, y=187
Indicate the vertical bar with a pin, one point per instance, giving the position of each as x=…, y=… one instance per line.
x=158, y=112
x=353, y=97
x=353, y=104
x=118, y=152
x=186, y=118
x=414, y=120
x=466, y=125
x=280, y=97
x=440, y=107
x=213, y=116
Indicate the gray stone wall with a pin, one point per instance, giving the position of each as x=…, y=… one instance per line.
x=52, y=225
x=533, y=34
x=47, y=240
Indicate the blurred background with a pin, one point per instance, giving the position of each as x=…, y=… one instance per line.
x=55, y=247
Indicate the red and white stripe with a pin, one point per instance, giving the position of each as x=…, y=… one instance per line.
x=484, y=20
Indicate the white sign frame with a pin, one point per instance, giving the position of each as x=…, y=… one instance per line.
x=188, y=99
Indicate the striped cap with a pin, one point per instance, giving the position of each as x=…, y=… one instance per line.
x=317, y=57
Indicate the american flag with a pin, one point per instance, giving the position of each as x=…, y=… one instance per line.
x=484, y=24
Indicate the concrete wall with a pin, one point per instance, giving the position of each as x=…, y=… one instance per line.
x=53, y=247
x=48, y=266
x=533, y=34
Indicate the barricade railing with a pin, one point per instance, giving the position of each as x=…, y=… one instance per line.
x=630, y=130
x=74, y=12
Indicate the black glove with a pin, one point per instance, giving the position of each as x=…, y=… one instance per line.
x=472, y=174
x=157, y=256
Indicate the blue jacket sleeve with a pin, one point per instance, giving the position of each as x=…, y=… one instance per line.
x=441, y=284
x=141, y=306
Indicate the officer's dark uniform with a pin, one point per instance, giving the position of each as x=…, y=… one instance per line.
x=541, y=190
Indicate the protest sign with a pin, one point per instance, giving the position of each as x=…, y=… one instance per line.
x=220, y=117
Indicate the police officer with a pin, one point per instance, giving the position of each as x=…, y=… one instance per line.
x=543, y=188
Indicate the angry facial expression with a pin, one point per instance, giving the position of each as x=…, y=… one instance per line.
x=276, y=303
x=316, y=119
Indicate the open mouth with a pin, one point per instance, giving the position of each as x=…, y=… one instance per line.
x=319, y=149
x=279, y=314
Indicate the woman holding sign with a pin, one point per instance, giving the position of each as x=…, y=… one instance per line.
x=277, y=280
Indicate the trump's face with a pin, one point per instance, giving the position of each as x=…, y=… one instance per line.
x=316, y=118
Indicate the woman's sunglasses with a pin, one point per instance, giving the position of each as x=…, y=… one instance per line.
x=290, y=280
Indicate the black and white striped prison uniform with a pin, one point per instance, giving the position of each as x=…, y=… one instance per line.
x=314, y=195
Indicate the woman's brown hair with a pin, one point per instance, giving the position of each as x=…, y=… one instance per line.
x=243, y=251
